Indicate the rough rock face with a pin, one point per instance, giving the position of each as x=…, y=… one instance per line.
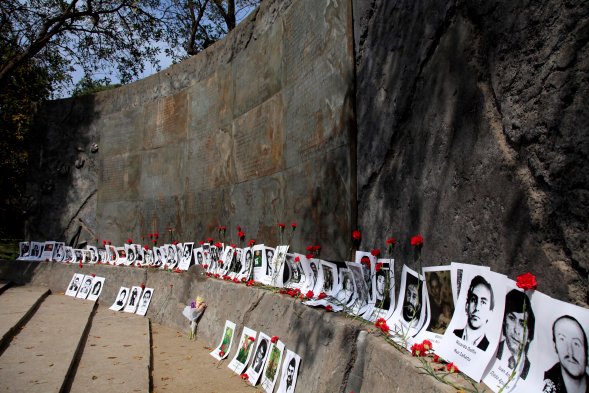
x=472, y=129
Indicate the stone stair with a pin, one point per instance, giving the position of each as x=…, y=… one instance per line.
x=56, y=343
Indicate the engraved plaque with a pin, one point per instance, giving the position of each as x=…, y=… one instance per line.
x=166, y=121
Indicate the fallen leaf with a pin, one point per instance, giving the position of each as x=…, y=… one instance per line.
x=94, y=377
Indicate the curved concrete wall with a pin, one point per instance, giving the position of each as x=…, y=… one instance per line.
x=251, y=132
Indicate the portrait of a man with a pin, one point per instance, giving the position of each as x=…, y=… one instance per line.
x=145, y=299
x=441, y=302
x=290, y=375
x=479, y=306
x=121, y=299
x=259, y=356
x=569, y=374
x=383, y=298
x=411, y=302
x=513, y=332
x=75, y=284
x=327, y=279
x=248, y=260
x=86, y=286
x=269, y=256
x=199, y=257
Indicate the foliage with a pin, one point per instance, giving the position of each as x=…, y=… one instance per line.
x=87, y=85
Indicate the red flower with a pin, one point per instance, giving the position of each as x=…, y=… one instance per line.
x=209, y=274
x=309, y=294
x=244, y=377
x=356, y=235
x=109, y=243
x=235, y=280
x=436, y=358
x=322, y=295
x=417, y=350
x=222, y=228
x=154, y=241
x=202, y=242
x=309, y=256
x=238, y=228
x=205, y=266
x=241, y=235
x=309, y=248
x=142, y=285
x=221, y=263
x=175, y=242
x=274, y=339
x=104, y=242
x=297, y=259
x=129, y=241
x=293, y=225
x=328, y=308
x=156, y=235
x=365, y=261
x=216, y=275
x=417, y=241
x=218, y=245
x=251, y=242
x=375, y=252
x=427, y=345
x=81, y=265
x=221, y=353
x=378, y=267
x=250, y=283
x=233, y=246
x=93, y=275
x=146, y=247
x=251, y=338
x=316, y=248
x=452, y=368
x=281, y=226
x=526, y=281
x=391, y=241
x=210, y=240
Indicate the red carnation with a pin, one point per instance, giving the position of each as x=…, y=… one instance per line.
x=154, y=241
x=526, y=281
x=328, y=308
x=391, y=241
x=309, y=256
x=297, y=259
x=316, y=248
x=427, y=345
x=293, y=225
x=221, y=353
x=356, y=235
x=146, y=247
x=241, y=234
x=175, y=242
x=452, y=368
x=156, y=235
x=104, y=242
x=238, y=228
x=142, y=285
x=375, y=252
x=210, y=240
x=251, y=242
x=244, y=376
x=93, y=275
x=129, y=241
x=322, y=295
x=250, y=283
x=417, y=240
x=378, y=267
x=309, y=248
x=281, y=226
x=218, y=245
x=310, y=294
x=274, y=339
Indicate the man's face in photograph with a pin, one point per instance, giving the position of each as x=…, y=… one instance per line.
x=410, y=309
x=478, y=307
x=570, y=347
x=513, y=330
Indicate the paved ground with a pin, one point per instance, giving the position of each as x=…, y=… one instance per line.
x=116, y=354
x=16, y=305
x=39, y=357
x=181, y=365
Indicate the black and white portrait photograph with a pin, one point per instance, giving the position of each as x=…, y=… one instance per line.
x=199, y=256
x=93, y=254
x=290, y=372
x=69, y=255
x=237, y=263
x=473, y=334
x=277, y=266
x=368, y=263
x=121, y=299
x=409, y=315
x=171, y=256
x=224, y=347
x=456, y=276
x=245, y=351
x=85, y=288
x=186, y=259
x=158, y=258
x=59, y=252
x=361, y=298
x=384, y=278
x=121, y=256
x=558, y=354
x=269, y=257
x=260, y=355
x=74, y=285
x=247, y=260
x=517, y=333
x=131, y=252
x=271, y=369
x=134, y=297
x=294, y=274
x=144, y=301
x=24, y=249
x=97, y=285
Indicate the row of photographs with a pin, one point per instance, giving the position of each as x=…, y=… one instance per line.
x=263, y=362
x=482, y=335
x=135, y=300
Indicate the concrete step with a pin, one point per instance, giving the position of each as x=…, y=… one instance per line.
x=17, y=305
x=116, y=356
x=40, y=357
x=4, y=285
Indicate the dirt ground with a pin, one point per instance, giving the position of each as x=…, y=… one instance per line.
x=181, y=365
